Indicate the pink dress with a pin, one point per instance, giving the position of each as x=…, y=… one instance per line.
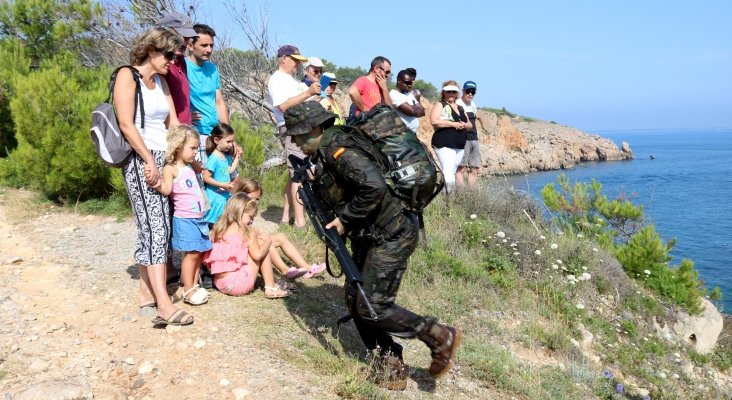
x=228, y=260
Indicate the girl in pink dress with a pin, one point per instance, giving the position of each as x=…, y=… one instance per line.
x=240, y=252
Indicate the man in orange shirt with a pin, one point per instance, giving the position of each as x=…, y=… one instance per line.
x=370, y=90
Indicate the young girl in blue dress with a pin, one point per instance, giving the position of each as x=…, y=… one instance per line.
x=223, y=158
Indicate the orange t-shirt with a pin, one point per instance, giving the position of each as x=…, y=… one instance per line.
x=370, y=93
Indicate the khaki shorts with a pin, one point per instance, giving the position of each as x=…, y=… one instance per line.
x=290, y=148
x=471, y=156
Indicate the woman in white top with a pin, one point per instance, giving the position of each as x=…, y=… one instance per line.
x=150, y=56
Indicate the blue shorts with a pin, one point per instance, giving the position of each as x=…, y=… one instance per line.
x=190, y=234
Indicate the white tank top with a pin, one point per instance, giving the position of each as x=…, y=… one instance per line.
x=156, y=111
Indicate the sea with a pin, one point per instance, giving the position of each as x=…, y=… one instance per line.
x=683, y=179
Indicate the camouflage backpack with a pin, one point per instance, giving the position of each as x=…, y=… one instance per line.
x=410, y=170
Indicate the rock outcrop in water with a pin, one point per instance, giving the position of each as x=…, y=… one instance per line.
x=517, y=145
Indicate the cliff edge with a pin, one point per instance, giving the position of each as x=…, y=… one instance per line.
x=517, y=145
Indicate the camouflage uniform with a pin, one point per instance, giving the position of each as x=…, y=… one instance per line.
x=383, y=236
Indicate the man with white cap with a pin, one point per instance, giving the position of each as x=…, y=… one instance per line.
x=285, y=92
x=176, y=77
x=313, y=69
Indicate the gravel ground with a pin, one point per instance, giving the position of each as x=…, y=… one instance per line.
x=70, y=327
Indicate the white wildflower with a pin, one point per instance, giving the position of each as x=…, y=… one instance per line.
x=537, y=252
x=594, y=249
x=579, y=235
x=585, y=276
x=542, y=237
x=504, y=240
x=554, y=246
x=559, y=261
x=584, y=268
x=647, y=272
x=473, y=216
x=483, y=241
x=515, y=253
x=580, y=306
x=571, y=278
x=555, y=266
x=513, y=244
x=500, y=234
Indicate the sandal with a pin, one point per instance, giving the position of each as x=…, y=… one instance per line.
x=278, y=292
x=294, y=273
x=315, y=269
x=178, y=318
x=195, y=296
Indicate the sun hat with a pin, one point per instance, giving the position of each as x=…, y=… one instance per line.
x=292, y=51
x=469, y=85
x=180, y=22
x=449, y=88
x=331, y=76
x=304, y=117
x=313, y=62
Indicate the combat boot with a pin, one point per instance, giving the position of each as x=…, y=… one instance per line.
x=443, y=340
x=388, y=371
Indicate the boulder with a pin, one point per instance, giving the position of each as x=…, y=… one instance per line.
x=700, y=331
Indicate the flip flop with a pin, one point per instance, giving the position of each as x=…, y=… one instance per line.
x=178, y=318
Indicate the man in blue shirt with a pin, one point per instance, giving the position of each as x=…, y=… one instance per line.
x=207, y=102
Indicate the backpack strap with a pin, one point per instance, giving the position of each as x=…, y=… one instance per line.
x=138, y=92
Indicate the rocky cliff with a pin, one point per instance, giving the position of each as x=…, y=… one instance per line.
x=517, y=145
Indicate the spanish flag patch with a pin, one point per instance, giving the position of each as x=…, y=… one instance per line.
x=338, y=153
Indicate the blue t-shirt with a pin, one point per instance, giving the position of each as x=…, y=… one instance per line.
x=204, y=82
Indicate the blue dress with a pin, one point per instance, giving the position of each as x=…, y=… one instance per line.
x=217, y=197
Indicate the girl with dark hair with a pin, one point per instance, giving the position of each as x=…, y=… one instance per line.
x=223, y=157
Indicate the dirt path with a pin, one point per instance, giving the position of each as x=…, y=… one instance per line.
x=69, y=324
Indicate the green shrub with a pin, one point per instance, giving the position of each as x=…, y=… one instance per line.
x=617, y=225
x=54, y=153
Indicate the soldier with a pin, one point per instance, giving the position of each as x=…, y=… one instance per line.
x=383, y=236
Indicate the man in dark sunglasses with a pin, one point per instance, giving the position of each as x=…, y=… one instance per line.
x=407, y=106
x=177, y=77
x=370, y=90
x=471, y=157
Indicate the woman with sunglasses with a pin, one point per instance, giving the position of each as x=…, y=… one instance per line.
x=329, y=102
x=450, y=123
x=151, y=55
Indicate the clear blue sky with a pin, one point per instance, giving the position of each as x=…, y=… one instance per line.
x=595, y=65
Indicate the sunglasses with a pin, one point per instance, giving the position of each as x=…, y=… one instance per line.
x=169, y=55
x=408, y=83
x=387, y=73
x=470, y=92
x=451, y=91
x=317, y=71
x=332, y=84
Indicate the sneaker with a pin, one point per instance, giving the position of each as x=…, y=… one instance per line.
x=315, y=269
x=294, y=273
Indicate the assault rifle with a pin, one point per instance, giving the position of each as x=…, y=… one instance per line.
x=320, y=215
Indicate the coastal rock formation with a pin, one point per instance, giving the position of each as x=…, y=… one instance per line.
x=700, y=331
x=518, y=145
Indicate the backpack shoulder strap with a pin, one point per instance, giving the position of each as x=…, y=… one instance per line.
x=138, y=91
